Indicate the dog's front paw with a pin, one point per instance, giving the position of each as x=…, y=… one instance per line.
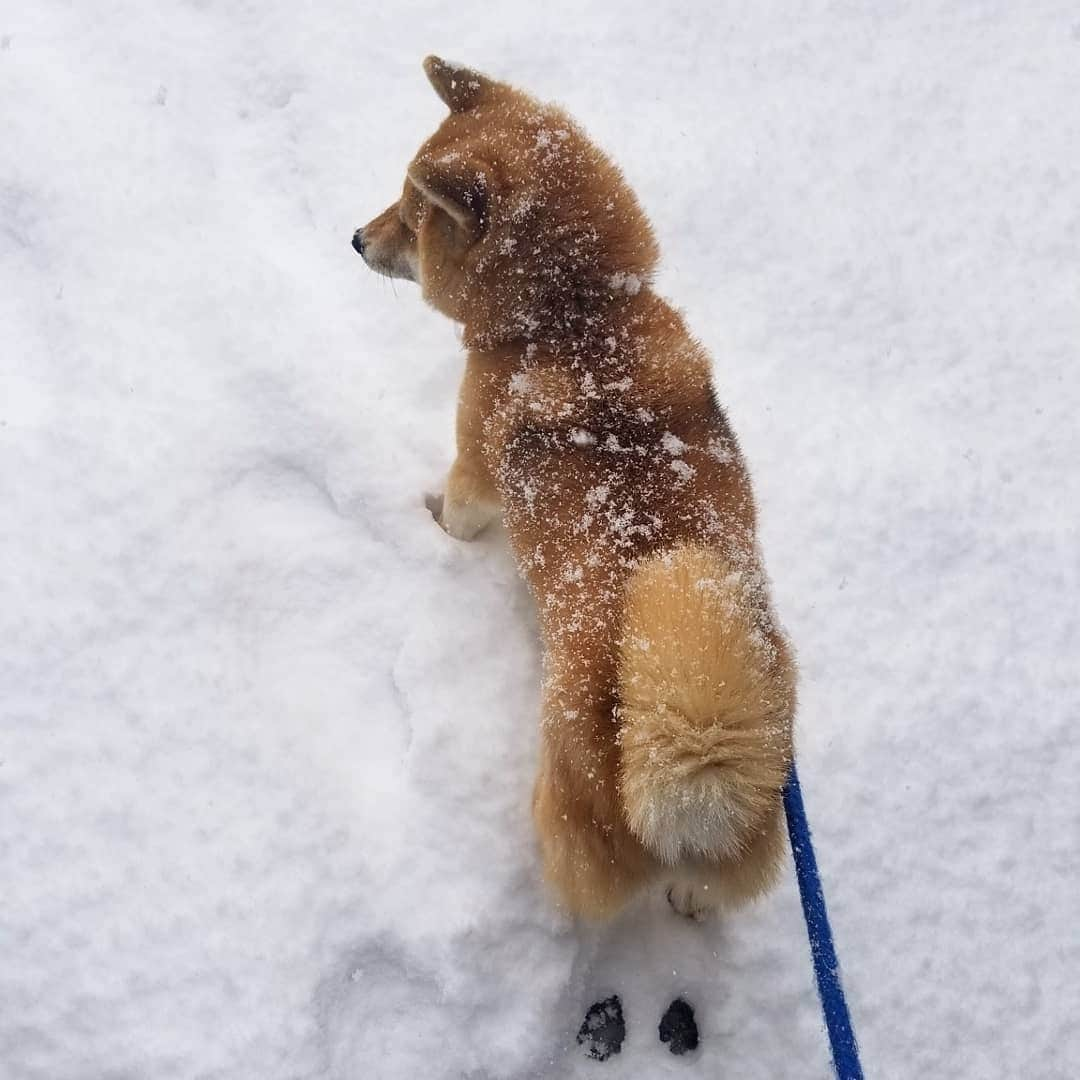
x=461, y=520
x=434, y=503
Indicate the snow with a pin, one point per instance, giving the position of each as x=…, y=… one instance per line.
x=267, y=734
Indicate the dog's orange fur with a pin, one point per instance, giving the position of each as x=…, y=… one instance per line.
x=587, y=418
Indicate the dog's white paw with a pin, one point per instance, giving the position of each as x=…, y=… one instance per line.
x=461, y=520
x=691, y=901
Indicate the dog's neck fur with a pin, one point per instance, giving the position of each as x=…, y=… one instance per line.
x=580, y=324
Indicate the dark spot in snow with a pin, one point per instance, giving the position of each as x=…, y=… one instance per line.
x=678, y=1027
x=603, y=1030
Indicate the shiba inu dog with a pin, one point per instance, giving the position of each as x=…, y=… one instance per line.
x=587, y=420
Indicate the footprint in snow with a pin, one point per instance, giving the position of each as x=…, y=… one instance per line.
x=604, y=1029
x=678, y=1028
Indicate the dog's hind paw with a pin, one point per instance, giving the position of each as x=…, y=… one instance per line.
x=691, y=901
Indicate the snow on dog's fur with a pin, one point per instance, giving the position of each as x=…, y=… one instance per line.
x=587, y=419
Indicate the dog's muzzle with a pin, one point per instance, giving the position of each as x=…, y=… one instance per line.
x=358, y=241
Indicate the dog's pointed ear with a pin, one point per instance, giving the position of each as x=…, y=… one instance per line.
x=460, y=87
x=455, y=184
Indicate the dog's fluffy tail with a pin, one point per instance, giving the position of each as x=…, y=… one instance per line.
x=707, y=693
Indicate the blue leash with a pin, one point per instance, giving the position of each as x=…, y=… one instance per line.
x=845, y=1052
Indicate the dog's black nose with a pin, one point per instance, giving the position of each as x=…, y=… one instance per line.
x=358, y=241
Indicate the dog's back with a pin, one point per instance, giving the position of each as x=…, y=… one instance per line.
x=669, y=691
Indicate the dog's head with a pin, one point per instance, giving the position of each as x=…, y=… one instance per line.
x=512, y=222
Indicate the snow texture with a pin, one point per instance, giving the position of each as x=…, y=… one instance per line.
x=267, y=734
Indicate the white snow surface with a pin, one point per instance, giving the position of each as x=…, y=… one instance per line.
x=267, y=735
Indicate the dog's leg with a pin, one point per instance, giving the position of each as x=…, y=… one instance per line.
x=698, y=890
x=590, y=856
x=471, y=500
x=755, y=871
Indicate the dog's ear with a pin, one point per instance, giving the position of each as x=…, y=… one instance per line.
x=455, y=184
x=460, y=87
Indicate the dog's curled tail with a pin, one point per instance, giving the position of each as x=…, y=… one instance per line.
x=707, y=694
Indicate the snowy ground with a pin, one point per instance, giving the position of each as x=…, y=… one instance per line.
x=267, y=734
